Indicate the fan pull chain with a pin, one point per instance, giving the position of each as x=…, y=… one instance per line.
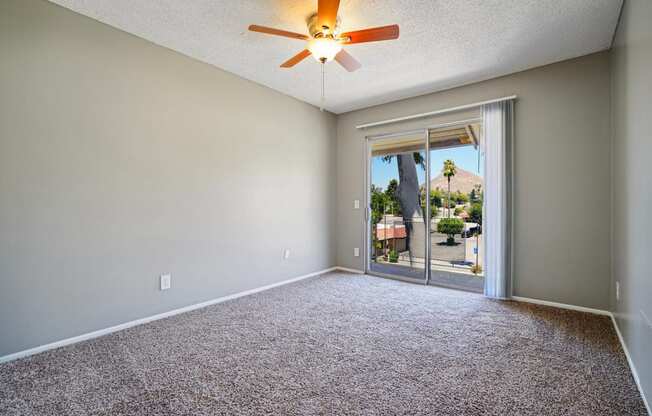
x=323, y=89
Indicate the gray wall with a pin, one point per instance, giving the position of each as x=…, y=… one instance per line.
x=121, y=160
x=562, y=176
x=632, y=183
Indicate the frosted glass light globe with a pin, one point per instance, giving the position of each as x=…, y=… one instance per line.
x=324, y=49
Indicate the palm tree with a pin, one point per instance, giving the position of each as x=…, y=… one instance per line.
x=449, y=171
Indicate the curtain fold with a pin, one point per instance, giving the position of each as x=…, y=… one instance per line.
x=496, y=145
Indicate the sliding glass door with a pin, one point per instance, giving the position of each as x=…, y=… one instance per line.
x=425, y=194
x=398, y=229
x=456, y=193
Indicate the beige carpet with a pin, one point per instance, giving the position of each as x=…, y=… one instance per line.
x=338, y=344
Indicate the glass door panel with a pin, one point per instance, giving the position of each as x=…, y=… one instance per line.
x=456, y=195
x=397, y=226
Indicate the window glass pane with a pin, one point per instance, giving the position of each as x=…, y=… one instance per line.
x=456, y=195
x=398, y=229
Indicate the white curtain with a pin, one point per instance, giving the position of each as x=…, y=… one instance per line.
x=496, y=145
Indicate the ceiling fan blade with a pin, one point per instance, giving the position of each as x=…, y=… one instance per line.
x=296, y=59
x=277, y=32
x=370, y=35
x=347, y=61
x=327, y=13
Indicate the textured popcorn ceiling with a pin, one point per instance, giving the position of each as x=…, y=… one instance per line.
x=442, y=43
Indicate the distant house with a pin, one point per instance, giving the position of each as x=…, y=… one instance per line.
x=390, y=233
x=392, y=236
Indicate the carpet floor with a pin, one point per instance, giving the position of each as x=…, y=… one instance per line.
x=338, y=344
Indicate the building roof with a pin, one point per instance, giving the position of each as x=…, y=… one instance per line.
x=390, y=233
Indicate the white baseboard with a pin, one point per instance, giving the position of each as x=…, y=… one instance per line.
x=346, y=269
x=632, y=368
x=561, y=305
x=631, y=364
x=105, y=331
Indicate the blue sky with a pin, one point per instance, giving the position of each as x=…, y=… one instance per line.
x=465, y=157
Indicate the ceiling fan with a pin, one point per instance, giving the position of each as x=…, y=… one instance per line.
x=325, y=40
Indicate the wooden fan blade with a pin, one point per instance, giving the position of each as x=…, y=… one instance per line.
x=277, y=32
x=370, y=35
x=296, y=59
x=347, y=61
x=327, y=13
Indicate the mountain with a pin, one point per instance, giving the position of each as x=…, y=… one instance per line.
x=463, y=181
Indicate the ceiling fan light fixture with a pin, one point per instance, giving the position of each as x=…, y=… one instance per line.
x=325, y=40
x=324, y=49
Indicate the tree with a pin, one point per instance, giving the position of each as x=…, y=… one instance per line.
x=378, y=204
x=435, y=202
x=391, y=194
x=449, y=171
x=407, y=191
x=475, y=213
x=476, y=194
x=460, y=198
x=436, y=198
x=450, y=227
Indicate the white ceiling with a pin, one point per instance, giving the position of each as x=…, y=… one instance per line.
x=442, y=43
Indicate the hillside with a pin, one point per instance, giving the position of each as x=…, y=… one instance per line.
x=463, y=181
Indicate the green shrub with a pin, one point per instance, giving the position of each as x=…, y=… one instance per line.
x=436, y=198
x=450, y=227
x=460, y=198
x=393, y=256
x=475, y=213
x=435, y=201
x=458, y=210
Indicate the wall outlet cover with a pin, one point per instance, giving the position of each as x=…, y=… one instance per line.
x=617, y=290
x=356, y=252
x=356, y=204
x=286, y=253
x=166, y=281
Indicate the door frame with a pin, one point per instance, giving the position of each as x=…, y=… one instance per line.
x=367, y=204
x=367, y=197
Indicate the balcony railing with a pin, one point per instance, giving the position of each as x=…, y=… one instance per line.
x=463, y=255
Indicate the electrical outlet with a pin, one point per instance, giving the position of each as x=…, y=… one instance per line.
x=617, y=291
x=286, y=254
x=356, y=204
x=356, y=252
x=166, y=281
